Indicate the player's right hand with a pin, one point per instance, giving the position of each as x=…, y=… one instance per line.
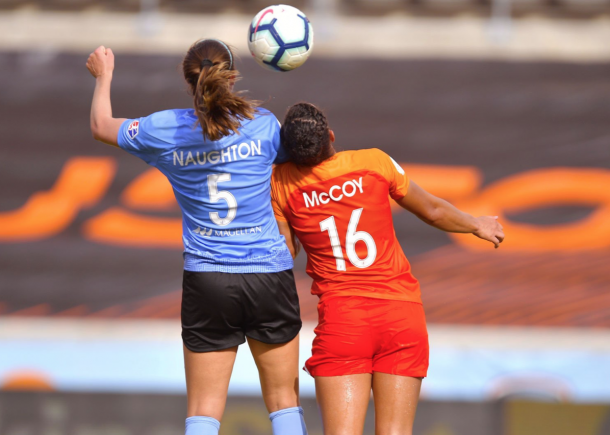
x=101, y=62
x=490, y=230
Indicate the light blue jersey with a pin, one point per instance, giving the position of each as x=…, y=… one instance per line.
x=222, y=187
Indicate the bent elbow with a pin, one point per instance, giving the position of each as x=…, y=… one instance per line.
x=98, y=134
x=95, y=132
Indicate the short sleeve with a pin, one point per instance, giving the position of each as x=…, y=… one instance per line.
x=147, y=137
x=395, y=174
x=278, y=201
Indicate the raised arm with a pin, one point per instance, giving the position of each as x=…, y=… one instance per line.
x=104, y=127
x=444, y=216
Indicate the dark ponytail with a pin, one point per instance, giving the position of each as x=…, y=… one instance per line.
x=305, y=135
x=210, y=73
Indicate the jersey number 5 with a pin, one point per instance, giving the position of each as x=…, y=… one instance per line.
x=351, y=239
x=216, y=196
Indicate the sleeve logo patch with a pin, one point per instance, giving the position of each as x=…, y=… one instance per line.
x=133, y=129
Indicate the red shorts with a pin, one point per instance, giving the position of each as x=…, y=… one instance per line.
x=365, y=335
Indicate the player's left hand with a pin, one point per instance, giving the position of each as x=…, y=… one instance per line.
x=101, y=62
x=490, y=229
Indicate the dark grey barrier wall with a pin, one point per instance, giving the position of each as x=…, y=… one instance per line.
x=489, y=121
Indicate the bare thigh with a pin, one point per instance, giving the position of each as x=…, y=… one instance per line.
x=396, y=400
x=278, y=369
x=207, y=381
x=343, y=401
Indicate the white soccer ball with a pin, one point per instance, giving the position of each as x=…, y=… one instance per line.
x=280, y=38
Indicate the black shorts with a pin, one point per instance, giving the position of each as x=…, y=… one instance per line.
x=220, y=309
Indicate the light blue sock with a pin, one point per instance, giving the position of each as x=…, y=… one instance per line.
x=288, y=421
x=202, y=426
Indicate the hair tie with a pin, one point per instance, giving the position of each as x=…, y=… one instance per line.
x=206, y=62
x=224, y=45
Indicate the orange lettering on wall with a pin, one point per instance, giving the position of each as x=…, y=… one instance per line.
x=447, y=182
x=120, y=227
x=116, y=226
x=82, y=183
x=545, y=188
x=84, y=180
x=150, y=191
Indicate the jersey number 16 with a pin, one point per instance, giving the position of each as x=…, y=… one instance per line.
x=351, y=239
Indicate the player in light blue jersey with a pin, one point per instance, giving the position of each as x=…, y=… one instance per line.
x=221, y=186
x=238, y=280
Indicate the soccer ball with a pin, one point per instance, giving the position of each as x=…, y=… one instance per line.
x=280, y=38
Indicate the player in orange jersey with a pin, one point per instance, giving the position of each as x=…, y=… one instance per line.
x=371, y=331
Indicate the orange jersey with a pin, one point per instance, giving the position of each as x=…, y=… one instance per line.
x=340, y=211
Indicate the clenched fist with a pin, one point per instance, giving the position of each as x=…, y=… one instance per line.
x=101, y=62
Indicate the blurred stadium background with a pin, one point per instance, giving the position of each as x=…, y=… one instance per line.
x=500, y=106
